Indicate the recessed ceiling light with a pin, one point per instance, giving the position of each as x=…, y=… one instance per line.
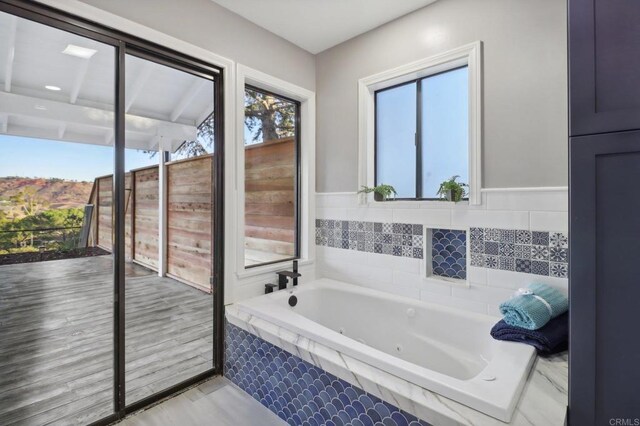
x=54, y=88
x=79, y=52
x=41, y=107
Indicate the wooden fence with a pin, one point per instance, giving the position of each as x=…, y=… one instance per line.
x=270, y=169
x=270, y=226
x=189, y=218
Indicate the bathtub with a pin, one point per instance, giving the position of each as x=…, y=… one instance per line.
x=445, y=350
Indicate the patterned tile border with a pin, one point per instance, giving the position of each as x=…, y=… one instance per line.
x=396, y=239
x=449, y=253
x=531, y=252
x=301, y=393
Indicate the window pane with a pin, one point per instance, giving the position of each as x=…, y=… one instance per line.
x=271, y=169
x=56, y=277
x=395, y=139
x=168, y=227
x=445, y=129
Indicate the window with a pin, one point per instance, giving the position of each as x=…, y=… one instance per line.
x=272, y=146
x=422, y=133
x=419, y=124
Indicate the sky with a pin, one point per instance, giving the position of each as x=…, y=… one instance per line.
x=445, y=127
x=27, y=157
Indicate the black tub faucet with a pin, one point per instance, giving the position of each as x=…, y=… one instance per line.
x=283, y=276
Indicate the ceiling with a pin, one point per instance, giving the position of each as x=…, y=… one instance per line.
x=164, y=106
x=316, y=25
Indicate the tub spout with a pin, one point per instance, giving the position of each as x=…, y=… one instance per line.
x=283, y=277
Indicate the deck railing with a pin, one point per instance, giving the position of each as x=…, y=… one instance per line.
x=39, y=239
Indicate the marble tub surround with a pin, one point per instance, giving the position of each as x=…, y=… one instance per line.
x=543, y=401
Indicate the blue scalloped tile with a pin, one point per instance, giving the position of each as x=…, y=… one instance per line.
x=301, y=393
x=449, y=253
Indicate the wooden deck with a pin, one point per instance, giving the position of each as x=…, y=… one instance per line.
x=56, y=334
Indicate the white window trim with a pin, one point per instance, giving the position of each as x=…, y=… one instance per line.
x=470, y=55
x=244, y=76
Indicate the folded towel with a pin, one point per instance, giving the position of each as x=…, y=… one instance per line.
x=533, y=307
x=550, y=339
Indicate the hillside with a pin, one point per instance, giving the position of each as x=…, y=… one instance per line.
x=57, y=193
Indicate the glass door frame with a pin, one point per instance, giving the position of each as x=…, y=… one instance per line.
x=126, y=44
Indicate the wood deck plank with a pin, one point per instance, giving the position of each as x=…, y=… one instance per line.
x=56, y=329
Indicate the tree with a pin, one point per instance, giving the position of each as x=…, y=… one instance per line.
x=268, y=117
x=29, y=202
x=203, y=144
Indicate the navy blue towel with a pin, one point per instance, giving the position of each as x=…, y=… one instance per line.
x=550, y=339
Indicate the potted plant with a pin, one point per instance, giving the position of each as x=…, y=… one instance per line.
x=380, y=193
x=451, y=190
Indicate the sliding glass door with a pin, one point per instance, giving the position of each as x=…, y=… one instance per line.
x=110, y=220
x=168, y=226
x=57, y=112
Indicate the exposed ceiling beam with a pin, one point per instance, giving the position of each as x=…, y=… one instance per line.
x=187, y=98
x=206, y=113
x=80, y=76
x=62, y=128
x=108, y=137
x=11, y=53
x=136, y=87
x=49, y=114
x=4, y=123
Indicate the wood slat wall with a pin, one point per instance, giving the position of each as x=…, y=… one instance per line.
x=145, y=216
x=270, y=169
x=189, y=217
x=104, y=230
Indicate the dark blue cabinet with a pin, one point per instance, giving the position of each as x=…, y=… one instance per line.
x=604, y=358
x=604, y=66
x=604, y=212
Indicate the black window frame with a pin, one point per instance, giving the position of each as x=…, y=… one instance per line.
x=418, y=135
x=297, y=177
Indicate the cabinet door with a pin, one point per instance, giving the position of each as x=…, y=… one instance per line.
x=604, y=281
x=604, y=65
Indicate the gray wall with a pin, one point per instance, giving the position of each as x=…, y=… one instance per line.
x=525, y=90
x=212, y=27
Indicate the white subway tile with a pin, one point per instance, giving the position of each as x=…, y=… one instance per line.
x=336, y=199
x=477, y=275
x=515, y=280
x=417, y=281
x=370, y=214
x=490, y=219
x=550, y=221
x=528, y=200
x=430, y=217
x=484, y=294
x=332, y=213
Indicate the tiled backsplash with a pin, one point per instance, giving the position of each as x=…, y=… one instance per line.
x=541, y=213
x=449, y=253
x=395, y=239
x=531, y=252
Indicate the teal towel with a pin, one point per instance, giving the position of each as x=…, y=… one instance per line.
x=526, y=310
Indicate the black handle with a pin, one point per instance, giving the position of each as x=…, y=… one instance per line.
x=268, y=288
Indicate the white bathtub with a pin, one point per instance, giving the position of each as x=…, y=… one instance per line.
x=442, y=349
